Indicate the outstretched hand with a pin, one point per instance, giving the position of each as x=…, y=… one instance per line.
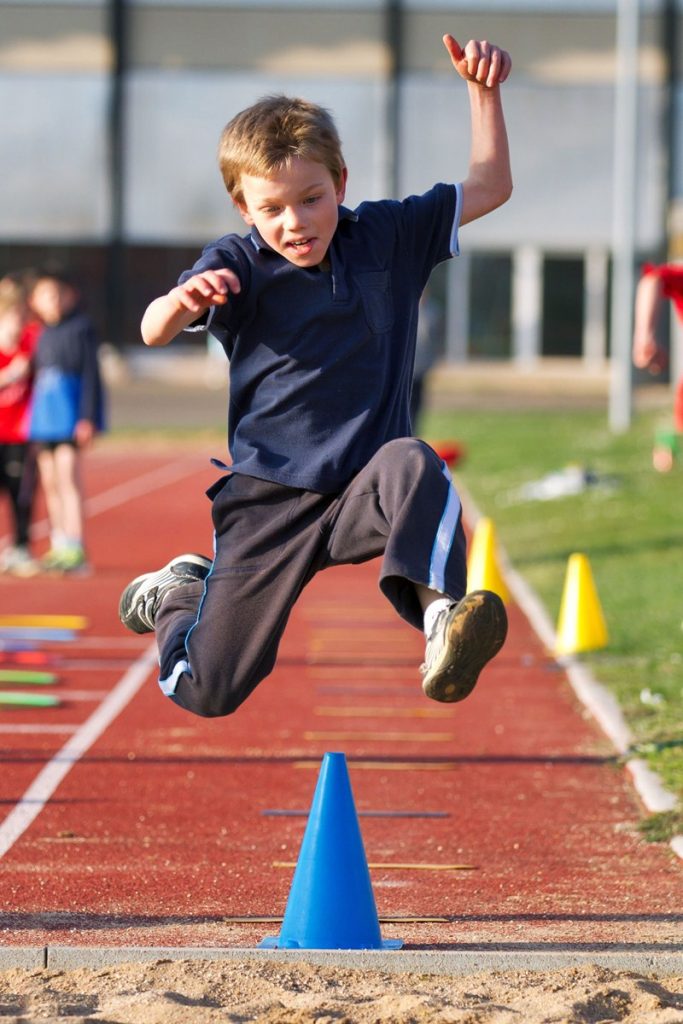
x=479, y=61
x=209, y=288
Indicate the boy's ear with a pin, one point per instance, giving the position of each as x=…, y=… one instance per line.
x=244, y=212
x=341, y=191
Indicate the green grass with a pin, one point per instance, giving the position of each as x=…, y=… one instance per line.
x=631, y=533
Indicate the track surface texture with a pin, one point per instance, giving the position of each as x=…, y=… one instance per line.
x=504, y=820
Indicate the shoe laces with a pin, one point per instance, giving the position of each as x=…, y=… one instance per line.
x=434, y=640
x=147, y=606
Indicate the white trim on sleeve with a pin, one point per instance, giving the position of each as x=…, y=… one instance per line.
x=454, y=243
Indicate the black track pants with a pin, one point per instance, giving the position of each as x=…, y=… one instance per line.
x=219, y=639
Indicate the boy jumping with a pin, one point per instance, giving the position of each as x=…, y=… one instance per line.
x=317, y=311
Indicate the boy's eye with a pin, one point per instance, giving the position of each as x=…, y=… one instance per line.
x=310, y=200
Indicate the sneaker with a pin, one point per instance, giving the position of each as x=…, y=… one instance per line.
x=71, y=559
x=17, y=561
x=141, y=599
x=51, y=559
x=465, y=637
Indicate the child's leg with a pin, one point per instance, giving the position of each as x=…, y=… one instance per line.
x=404, y=504
x=667, y=445
x=48, y=483
x=19, y=470
x=219, y=638
x=67, y=473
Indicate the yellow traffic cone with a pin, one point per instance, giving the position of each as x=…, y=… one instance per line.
x=581, y=625
x=483, y=572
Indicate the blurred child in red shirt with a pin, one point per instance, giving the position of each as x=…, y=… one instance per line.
x=656, y=283
x=18, y=336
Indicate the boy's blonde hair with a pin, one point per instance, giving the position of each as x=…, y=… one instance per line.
x=270, y=134
x=12, y=295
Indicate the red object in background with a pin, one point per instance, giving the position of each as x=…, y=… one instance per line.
x=450, y=451
x=678, y=408
x=26, y=657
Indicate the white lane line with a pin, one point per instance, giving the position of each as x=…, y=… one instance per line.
x=149, y=481
x=48, y=779
x=27, y=728
x=140, y=486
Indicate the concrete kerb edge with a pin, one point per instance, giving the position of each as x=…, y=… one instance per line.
x=602, y=704
x=30, y=957
x=447, y=962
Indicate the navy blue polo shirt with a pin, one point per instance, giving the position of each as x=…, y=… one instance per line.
x=321, y=361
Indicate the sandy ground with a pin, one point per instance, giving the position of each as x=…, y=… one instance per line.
x=236, y=992
x=204, y=992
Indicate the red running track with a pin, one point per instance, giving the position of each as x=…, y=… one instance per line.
x=126, y=821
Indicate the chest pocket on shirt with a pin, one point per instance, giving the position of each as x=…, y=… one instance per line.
x=375, y=291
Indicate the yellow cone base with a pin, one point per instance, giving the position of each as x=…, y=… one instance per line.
x=581, y=625
x=483, y=572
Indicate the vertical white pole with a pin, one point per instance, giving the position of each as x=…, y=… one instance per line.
x=458, y=309
x=624, y=212
x=595, y=308
x=527, y=305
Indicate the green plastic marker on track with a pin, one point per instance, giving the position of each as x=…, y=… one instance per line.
x=28, y=700
x=27, y=677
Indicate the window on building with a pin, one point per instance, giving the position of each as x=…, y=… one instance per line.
x=490, y=302
x=563, y=302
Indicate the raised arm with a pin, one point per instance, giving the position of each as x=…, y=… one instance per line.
x=489, y=179
x=170, y=314
x=647, y=352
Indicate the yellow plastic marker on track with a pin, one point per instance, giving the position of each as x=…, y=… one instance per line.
x=396, y=766
x=377, y=737
x=396, y=867
x=331, y=711
x=45, y=621
x=383, y=919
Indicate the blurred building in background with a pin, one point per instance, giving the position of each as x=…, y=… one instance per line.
x=110, y=113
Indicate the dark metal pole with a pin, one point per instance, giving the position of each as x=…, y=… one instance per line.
x=624, y=213
x=670, y=48
x=115, y=131
x=394, y=43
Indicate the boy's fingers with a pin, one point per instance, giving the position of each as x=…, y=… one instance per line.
x=495, y=65
x=479, y=61
x=184, y=297
x=473, y=57
x=231, y=279
x=211, y=288
x=453, y=47
x=505, y=66
x=483, y=63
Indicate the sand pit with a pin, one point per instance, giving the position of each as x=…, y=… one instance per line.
x=234, y=992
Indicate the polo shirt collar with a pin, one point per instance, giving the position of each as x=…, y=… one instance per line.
x=344, y=214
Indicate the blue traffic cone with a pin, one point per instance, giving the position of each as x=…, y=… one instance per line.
x=331, y=903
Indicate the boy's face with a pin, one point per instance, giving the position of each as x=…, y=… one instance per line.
x=295, y=210
x=52, y=300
